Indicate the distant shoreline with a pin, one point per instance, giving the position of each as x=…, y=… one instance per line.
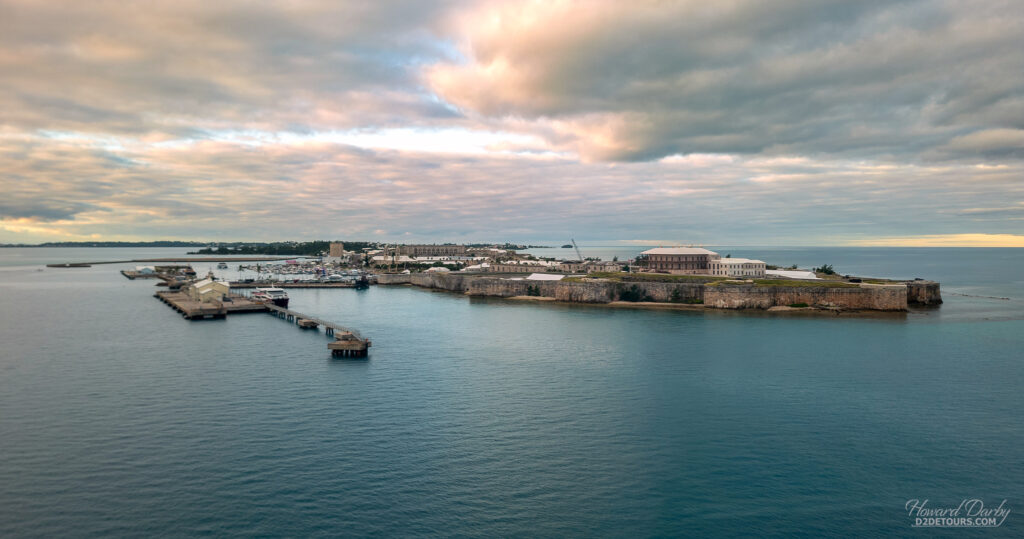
x=177, y=259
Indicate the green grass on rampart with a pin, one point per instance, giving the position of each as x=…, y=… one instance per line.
x=786, y=283
x=625, y=277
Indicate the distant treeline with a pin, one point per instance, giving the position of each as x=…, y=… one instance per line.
x=283, y=248
x=111, y=244
x=280, y=248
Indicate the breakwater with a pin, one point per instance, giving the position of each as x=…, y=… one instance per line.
x=874, y=297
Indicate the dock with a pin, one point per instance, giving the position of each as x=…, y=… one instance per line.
x=191, y=309
x=347, y=343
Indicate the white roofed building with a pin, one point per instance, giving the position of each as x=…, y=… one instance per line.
x=545, y=277
x=791, y=274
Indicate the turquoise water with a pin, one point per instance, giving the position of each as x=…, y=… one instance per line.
x=487, y=417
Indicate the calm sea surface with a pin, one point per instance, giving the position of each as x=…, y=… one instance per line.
x=487, y=417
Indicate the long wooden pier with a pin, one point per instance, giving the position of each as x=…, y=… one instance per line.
x=347, y=343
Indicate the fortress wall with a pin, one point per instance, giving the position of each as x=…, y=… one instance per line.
x=923, y=293
x=865, y=297
x=880, y=298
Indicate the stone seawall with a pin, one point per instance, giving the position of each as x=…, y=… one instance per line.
x=587, y=292
x=923, y=293
x=394, y=278
x=865, y=297
x=875, y=298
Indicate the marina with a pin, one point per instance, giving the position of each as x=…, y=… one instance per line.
x=295, y=284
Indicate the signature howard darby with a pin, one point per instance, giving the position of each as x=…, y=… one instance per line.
x=970, y=513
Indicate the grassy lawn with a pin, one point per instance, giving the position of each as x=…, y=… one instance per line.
x=648, y=277
x=623, y=277
x=765, y=283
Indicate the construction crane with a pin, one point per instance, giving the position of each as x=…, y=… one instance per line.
x=574, y=246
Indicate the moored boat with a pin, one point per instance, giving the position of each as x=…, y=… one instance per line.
x=277, y=296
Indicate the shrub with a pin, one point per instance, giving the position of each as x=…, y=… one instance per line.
x=826, y=269
x=798, y=305
x=633, y=293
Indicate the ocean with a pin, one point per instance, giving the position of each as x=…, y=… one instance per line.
x=491, y=417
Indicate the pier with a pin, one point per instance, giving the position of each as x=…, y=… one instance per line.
x=347, y=343
x=191, y=309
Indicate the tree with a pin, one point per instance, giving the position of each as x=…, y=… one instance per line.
x=826, y=269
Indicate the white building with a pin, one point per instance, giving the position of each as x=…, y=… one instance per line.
x=523, y=266
x=479, y=267
x=736, y=267
x=791, y=274
x=544, y=277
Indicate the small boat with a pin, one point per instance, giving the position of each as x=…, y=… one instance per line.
x=222, y=265
x=277, y=296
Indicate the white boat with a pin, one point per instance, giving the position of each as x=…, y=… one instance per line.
x=277, y=296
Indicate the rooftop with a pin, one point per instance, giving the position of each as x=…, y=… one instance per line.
x=678, y=251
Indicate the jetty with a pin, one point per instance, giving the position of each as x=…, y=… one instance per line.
x=347, y=343
x=191, y=309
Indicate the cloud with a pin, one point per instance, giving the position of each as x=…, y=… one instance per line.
x=639, y=81
x=188, y=66
x=302, y=187
x=722, y=122
x=993, y=143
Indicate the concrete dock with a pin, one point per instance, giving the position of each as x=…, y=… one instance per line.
x=191, y=309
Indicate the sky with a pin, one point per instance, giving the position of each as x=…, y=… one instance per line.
x=733, y=122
